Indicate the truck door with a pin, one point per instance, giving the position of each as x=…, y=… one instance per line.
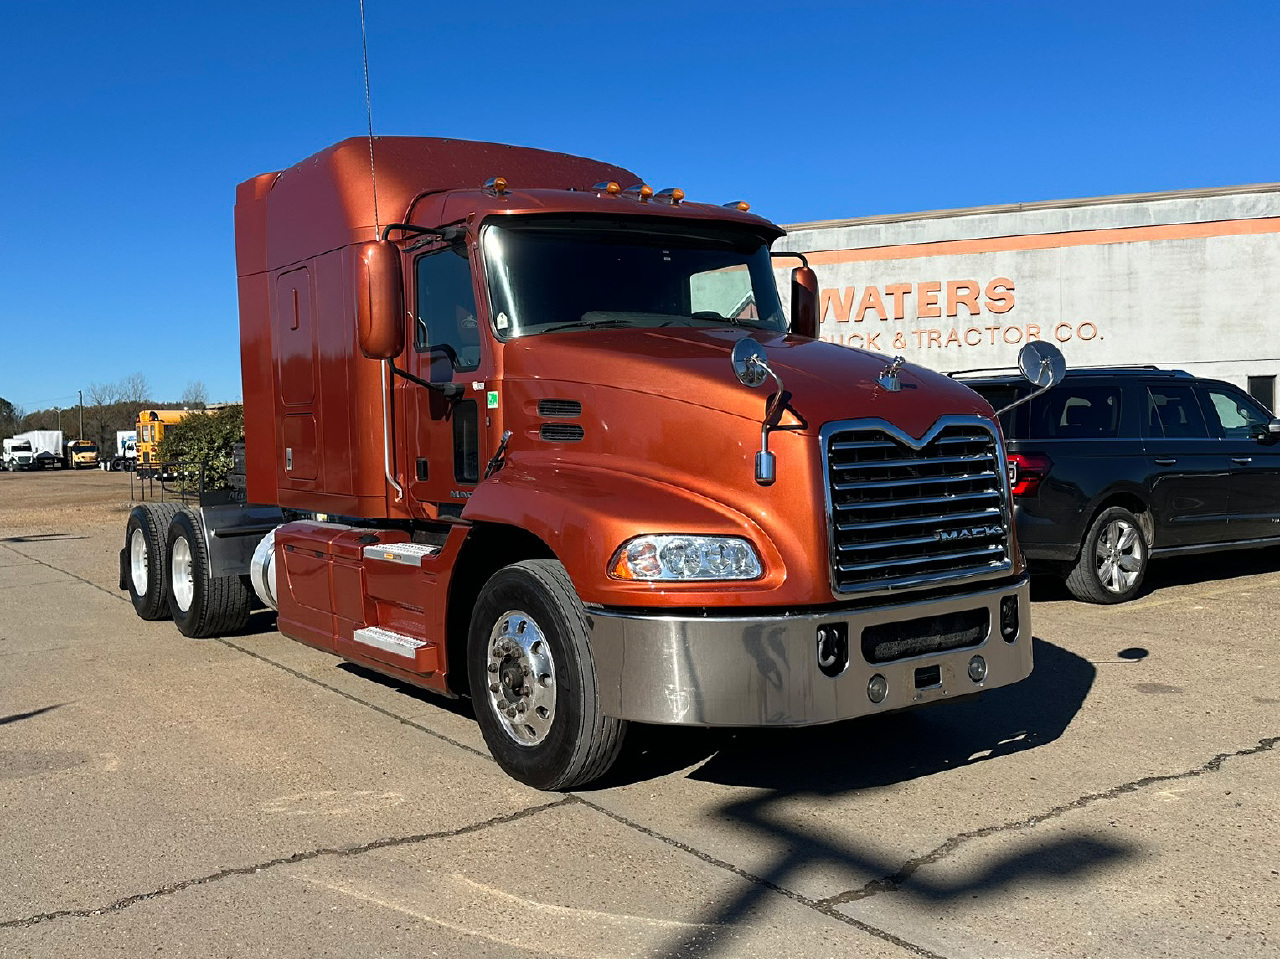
x=442, y=438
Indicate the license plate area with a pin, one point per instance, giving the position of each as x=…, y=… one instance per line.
x=928, y=677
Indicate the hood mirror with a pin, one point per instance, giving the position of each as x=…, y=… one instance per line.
x=749, y=363
x=1043, y=365
x=751, y=367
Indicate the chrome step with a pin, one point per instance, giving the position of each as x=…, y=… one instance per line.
x=397, y=644
x=411, y=554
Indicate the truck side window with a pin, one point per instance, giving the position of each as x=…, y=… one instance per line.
x=445, y=318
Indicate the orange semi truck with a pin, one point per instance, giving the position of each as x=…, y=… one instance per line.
x=546, y=438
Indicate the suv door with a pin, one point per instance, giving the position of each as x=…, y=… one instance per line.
x=1189, y=471
x=1254, y=496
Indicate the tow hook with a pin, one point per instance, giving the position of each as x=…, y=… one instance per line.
x=833, y=648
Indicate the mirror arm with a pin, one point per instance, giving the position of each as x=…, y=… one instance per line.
x=450, y=391
x=1026, y=399
x=766, y=462
x=444, y=232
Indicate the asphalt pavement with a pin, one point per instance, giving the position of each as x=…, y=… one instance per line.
x=250, y=796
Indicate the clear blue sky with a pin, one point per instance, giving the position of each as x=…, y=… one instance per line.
x=126, y=127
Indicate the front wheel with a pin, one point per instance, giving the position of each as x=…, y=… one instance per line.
x=1113, y=559
x=533, y=679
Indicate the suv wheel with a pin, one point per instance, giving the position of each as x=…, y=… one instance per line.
x=1113, y=559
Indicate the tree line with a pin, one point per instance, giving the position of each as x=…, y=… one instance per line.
x=108, y=407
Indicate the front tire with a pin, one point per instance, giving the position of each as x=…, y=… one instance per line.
x=1113, y=559
x=533, y=679
x=201, y=605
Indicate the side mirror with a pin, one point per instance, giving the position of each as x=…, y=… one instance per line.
x=1267, y=433
x=1042, y=363
x=804, y=302
x=379, y=300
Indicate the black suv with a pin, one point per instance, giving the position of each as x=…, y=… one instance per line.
x=1115, y=466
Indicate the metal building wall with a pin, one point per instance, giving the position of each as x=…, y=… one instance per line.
x=1187, y=280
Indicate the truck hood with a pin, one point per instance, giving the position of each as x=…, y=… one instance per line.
x=825, y=382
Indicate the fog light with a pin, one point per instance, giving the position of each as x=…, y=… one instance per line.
x=977, y=669
x=1009, y=618
x=877, y=688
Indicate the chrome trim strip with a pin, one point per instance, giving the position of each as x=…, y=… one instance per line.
x=918, y=443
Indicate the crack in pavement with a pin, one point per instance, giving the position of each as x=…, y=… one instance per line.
x=894, y=882
x=58, y=569
x=818, y=905
x=386, y=843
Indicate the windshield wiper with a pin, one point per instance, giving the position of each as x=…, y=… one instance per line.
x=585, y=325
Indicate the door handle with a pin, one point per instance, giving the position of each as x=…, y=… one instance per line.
x=1165, y=461
x=1242, y=460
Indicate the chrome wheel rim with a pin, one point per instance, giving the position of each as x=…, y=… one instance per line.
x=138, y=561
x=184, y=585
x=1119, y=556
x=522, y=678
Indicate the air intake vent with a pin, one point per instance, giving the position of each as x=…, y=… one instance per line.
x=562, y=409
x=561, y=432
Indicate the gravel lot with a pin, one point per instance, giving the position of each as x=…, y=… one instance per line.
x=250, y=796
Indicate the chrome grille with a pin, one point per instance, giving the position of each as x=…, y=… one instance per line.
x=907, y=513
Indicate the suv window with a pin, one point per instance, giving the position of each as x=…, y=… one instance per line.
x=1237, y=417
x=1172, y=412
x=1076, y=411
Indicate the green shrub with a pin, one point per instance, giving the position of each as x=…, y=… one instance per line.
x=204, y=439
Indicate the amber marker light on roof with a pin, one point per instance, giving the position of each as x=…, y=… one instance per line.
x=672, y=195
x=498, y=184
x=741, y=205
x=641, y=191
x=610, y=188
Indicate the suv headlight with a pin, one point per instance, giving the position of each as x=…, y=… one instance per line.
x=672, y=557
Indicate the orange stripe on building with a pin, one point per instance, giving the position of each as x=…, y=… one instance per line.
x=1050, y=241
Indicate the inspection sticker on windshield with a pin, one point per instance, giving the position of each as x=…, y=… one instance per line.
x=503, y=322
x=493, y=399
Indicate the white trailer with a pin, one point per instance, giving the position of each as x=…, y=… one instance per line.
x=126, y=454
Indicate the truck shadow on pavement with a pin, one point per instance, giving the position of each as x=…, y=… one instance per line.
x=876, y=750
x=816, y=765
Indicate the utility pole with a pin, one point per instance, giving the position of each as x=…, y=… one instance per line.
x=80, y=435
x=58, y=411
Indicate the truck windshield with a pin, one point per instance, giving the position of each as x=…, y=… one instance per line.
x=550, y=274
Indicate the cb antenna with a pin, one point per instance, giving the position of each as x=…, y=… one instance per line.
x=368, y=109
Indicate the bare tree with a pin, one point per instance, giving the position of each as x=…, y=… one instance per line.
x=134, y=388
x=195, y=396
x=103, y=394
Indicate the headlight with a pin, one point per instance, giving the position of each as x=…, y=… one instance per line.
x=685, y=558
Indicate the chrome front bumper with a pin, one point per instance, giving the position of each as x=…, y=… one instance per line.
x=763, y=671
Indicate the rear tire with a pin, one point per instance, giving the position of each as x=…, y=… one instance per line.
x=201, y=606
x=146, y=564
x=1113, y=559
x=530, y=627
